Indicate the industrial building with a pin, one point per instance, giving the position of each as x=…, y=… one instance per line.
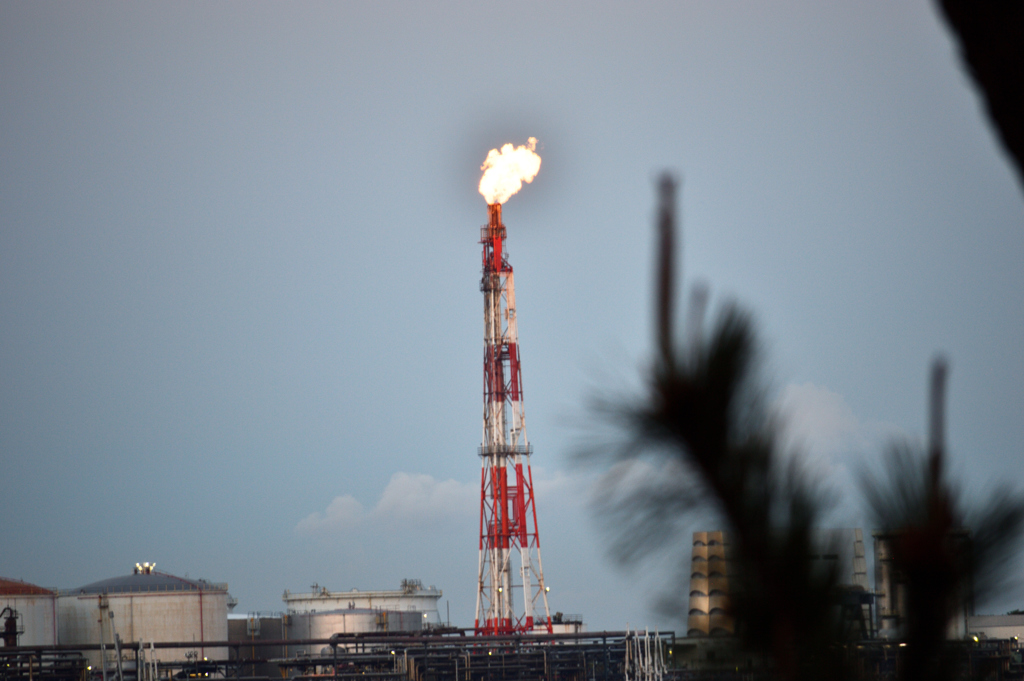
x=842, y=551
x=145, y=607
x=602, y=656
x=256, y=630
x=1009, y=627
x=28, y=614
x=891, y=596
x=411, y=597
x=266, y=637
x=709, y=586
x=838, y=550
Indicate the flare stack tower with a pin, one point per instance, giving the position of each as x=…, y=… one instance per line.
x=508, y=514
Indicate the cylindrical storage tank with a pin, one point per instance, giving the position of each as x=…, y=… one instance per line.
x=412, y=596
x=144, y=607
x=28, y=614
x=301, y=625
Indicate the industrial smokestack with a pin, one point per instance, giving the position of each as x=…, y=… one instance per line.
x=494, y=212
x=508, y=516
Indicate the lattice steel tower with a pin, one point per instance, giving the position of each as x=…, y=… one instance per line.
x=508, y=516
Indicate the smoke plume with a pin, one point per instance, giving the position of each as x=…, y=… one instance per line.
x=506, y=170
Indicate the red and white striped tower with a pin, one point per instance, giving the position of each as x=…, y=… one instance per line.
x=508, y=515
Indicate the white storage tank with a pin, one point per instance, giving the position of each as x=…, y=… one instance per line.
x=28, y=614
x=322, y=625
x=412, y=596
x=146, y=606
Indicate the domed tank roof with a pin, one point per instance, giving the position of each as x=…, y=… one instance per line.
x=16, y=587
x=146, y=582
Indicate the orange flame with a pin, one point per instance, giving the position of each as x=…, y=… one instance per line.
x=506, y=170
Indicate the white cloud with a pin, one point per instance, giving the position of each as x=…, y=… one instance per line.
x=342, y=513
x=552, y=485
x=408, y=498
x=821, y=424
x=419, y=497
x=831, y=442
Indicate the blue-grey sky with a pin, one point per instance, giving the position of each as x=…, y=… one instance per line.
x=240, y=322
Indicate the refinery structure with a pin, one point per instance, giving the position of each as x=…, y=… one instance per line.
x=145, y=606
x=149, y=625
x=28, y=614
x=411, y=597
x=508, y=512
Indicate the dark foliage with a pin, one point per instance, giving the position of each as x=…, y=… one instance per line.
x=700, y=436
x=943, y=555
x=703, y=419
x=991, y=37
